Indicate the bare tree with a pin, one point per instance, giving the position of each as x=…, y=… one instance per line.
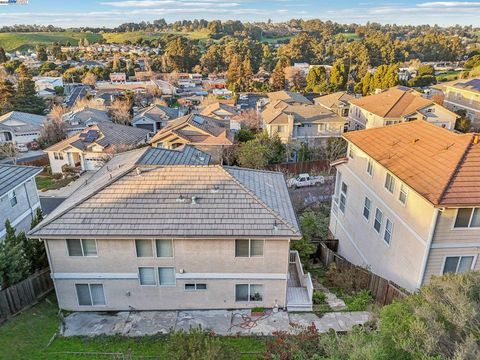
x=9, y=150
x=120, y=112
x=89, y=79
x=91, y=103
x=251, y=119
x=57, y=112
x=334, y=149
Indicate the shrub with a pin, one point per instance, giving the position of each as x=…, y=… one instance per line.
x=349, y=279
x=198, y=344
x=319, y=297
x=359, y=301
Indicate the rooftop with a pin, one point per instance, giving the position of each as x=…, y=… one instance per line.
x=22, y=122
x=13, y=175
x=332, y=100
x=470, y=85
x=438, y=164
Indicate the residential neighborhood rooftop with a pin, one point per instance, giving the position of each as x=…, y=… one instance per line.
x=470, y=85
x=13, y=175
x=440, y=165
x=22, y=122
x=332, y=100
x=185, y=155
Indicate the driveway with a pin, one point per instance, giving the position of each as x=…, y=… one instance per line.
x=222, y=322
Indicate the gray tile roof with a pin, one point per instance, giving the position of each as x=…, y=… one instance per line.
x=31, y=122
x=156, y=201
x=187, y=155
x=13, y=175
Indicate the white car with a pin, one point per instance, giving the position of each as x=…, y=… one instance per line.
x=304, y=180
x=22, y=148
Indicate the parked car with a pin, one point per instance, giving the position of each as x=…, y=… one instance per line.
x=22, y=148
x=33, y=145
x=303, y=180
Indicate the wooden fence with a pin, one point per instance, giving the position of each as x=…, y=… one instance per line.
x=19, y=296
x=383, y=291
x=295, y=168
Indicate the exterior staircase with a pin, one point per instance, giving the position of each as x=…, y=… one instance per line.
x=299, y=286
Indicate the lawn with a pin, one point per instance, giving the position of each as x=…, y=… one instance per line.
x=49, y=183
x=447, y=76
x=118, y=38
x=24, y=41
x=351, y=36
x=26, y=336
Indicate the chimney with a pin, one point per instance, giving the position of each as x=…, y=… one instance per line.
x=475, y=139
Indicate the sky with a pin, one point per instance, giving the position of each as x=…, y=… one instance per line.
x=73, y=13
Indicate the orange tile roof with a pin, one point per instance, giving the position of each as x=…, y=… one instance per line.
x=440, y=165
x=393, y=103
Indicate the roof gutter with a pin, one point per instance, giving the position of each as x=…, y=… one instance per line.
x=431, y=233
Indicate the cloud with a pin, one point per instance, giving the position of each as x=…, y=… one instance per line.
x=450, y=4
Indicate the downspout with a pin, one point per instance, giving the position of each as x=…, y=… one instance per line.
x=431, y=234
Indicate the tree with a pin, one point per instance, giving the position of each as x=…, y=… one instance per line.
x=463, y=124
x=261, y=151
x=181, y=54
x=3, y=56
x=41, y=53
x=334, y=149
x=9, y=150
x=425, y=69
x=54, y=128
x=7, y=94
x=14, y=265
x=278, y=74
x=317, y=80
x=120, y=111
x=89, y=79
x=338, y=75
x=26, y=99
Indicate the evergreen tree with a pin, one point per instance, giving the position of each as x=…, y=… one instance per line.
x=7, y=94
x=26, y=99
x=338, y=75
x=42, y=54
x=34, y=249
x=234, y=73
x=14, y=265
x=247, y=71
x=3, y=56
x=278, y=74
x=317, y=80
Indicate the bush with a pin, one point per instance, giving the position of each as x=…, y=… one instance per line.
x=319, y=297
x=359, y=301
x=350, y=279
x=198, y=344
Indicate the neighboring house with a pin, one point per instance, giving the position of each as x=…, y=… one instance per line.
x=397, y=105
x=171, y=237
x=18, y=196
x=20, y=128
x=220, y=111
x=89, y=149
x=207, y=134
x=295, y=118
x=407, y=202
x=338, y=102
x=47, y=82
x=80, y=119
x=465, y=95
x=154, y=117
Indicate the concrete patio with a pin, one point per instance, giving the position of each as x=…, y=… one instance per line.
x=222, y=322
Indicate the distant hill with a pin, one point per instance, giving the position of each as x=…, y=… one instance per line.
x=24, y=41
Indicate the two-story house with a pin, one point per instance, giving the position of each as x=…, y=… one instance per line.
x=154, y=117
x=296, y=119
x=406, y=202
x=397, y=105
x=18, y=196
x=338, y=102
x=465, y=95
x=167, y=237
x=20, y=128
x=89, y=149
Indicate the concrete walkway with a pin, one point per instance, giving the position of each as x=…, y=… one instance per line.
x=222, y=322
x=335, y=303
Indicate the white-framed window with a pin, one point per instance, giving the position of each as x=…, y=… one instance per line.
x=90, y=294
x=458, y=264
x=164, y=248
x=12, y=196
x=343, y=197
x=322, y=127
x=146, y=275
x=467, y=218
x=248, y=292
x=377, y=224
x=403, y=194
x=81, y=247
x=387, y=235
x=144, y=248
x=370, y=167
x=366, y=208
x=195, y=287
x=281, y=129
x=58, y=155
x=389, y=183
x=166, y=276
x=249, y=248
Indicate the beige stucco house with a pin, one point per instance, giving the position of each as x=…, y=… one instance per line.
x=150, y=236
x=397, y=105
x=406, y=202
x=465, y=95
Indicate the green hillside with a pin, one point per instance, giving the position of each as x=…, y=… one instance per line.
x=24, y=41
x=119, y=38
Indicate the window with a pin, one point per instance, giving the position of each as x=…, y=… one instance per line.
x=248, y=248
x=83, y=247
x=343, y=197
x=467, y=218
x=248, y=292
x=13, y=198
x=322, y=127
x=166, y=276
x=164, y=248
x=195, y=287
x=389, y=183
x=147, y=276
x=144, y=248
x=366, y=208
x=402, y=196
x=370, y=167
x=387, y=236
x=457, y=264
x=58, y=155
x=90, y=294
x=377, y=224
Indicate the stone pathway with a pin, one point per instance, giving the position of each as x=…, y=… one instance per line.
x=335, y=303
x=222, y=322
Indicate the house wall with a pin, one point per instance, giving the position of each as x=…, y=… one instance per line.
x=312, y=130
x=448, y=241
x=56, y=165
x=212, y=262
x=400, y=261
x=459, y=99
x=440, y=116
x=19, y=215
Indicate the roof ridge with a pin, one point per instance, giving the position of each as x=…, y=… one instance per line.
x=457, y=168
x=396, y=102
x=257, y=199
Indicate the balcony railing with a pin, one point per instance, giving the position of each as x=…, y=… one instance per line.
x=305, y=279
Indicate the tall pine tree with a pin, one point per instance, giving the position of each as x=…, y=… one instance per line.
x=7, y=94
x=3, y=56
x=14, y=265
x=26, y=98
